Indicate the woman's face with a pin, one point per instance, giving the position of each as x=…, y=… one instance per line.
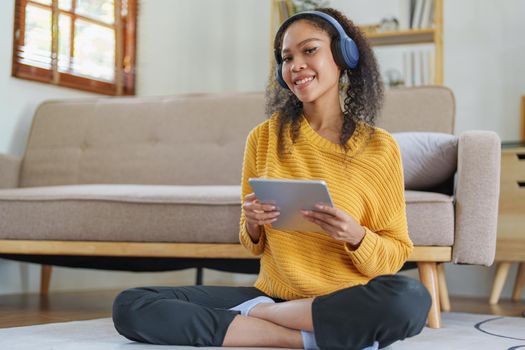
x=308, y=66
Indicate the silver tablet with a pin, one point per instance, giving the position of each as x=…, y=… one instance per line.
x=291, y=196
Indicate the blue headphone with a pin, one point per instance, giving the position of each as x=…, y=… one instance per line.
x=346, y=53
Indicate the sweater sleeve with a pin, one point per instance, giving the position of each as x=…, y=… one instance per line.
x=386, y=247
x=249, y=170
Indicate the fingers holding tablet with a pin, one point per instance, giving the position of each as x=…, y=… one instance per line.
x=258, y=213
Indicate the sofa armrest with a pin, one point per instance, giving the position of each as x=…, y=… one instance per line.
x=9, y=171
x=477, y=197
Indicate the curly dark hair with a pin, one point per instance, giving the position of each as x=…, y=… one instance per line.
x=363, y=97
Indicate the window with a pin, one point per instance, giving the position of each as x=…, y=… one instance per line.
x=82, y=44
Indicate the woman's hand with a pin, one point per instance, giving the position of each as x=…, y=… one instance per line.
x=258, y=214
x=337, y=223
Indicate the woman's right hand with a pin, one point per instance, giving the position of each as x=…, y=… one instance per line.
x=258, y=214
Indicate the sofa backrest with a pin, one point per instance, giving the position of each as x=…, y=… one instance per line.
x=425, y=108
x=186, y=139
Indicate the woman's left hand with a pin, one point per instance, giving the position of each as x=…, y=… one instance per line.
x=337, y=223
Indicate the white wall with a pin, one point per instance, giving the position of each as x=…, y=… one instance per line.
x=19, y=98
x=486, y=63
x=210, y=46
x=215, y=46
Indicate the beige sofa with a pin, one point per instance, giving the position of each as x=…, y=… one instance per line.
x=158, y=177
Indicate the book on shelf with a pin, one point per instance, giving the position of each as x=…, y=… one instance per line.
x=283, y=9
x=418, y=67
x=426, y=21
x=404, y=15
x=420, y=13
x=417, y=13
x=406, y=68
x=411, y=8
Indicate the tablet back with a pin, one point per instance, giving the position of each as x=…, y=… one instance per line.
x=290, y=196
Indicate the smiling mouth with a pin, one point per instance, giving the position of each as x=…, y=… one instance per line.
x=303, y=81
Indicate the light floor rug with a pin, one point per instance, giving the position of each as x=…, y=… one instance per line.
x=460, y=331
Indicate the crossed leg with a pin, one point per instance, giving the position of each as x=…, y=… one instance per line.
x=280, y=322
x=387, y=309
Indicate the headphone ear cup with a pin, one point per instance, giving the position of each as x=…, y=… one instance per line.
x=350, y=52
x=279, y=75
x=345, y=52
x=338, y=53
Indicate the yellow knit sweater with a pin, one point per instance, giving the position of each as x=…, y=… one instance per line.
x=367, y=184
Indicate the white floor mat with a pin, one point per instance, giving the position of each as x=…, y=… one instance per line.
x=460, y=332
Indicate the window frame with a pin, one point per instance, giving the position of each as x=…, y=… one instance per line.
x=125, y=51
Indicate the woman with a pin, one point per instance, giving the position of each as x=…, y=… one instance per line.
x=332, y=290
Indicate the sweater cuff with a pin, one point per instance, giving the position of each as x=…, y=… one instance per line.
x=246, y=241
x=365, y=250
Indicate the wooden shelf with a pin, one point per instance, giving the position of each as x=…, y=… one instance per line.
x=413, y=36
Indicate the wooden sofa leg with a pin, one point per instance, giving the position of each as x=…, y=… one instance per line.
x=443, y=290
x=520, y=282
x=499, y=280
x=45, y=279
x=429, y=277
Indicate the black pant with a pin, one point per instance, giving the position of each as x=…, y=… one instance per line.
x=387, y=309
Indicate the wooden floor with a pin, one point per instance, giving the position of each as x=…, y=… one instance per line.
x=30, y=309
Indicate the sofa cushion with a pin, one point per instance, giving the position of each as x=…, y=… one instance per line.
x=430, y=218
x=429, y=158
x=148, y=213
x=210, y=195
x=135, y=213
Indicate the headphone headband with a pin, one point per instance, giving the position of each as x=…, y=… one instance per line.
x=323, y=15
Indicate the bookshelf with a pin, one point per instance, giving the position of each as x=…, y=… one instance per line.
x=433, y=35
